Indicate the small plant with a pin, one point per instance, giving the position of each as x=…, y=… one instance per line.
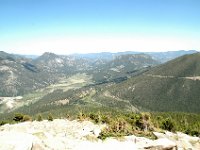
x=117, y=127
x=3, y=122
x=139, y=121
x=105, y=119
x=18, y=117
x=95, y=117
x=146, y=119
x=81, y=116
x=67, y=116
x=39, y=117
x=192, y=132
x=92, y=116
x=50, y=117
x=27, y=118
x=168, y=124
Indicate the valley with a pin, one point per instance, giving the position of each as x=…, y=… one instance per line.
x=127, y=82
x=74, y=82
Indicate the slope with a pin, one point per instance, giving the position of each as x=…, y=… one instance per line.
x=121, y=67
x=18, y=75
x=173, y=86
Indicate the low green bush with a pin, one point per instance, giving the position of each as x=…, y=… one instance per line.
x=81, y=116
x=39, y=117
x=3, y=122
x=18, y=117
x=50, y=117
x=26, y=118
x=168, y=124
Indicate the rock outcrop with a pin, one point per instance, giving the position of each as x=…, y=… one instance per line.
x=61, y=134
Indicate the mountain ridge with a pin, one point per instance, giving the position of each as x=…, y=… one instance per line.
x=109, y=85
x=156, y=91
x=31, y=74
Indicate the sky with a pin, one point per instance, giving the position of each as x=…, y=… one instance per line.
x=89, y=26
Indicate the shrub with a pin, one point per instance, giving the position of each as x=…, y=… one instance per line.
x=67, y=116
x=192, y=132
x=168, y=124
x=105, y=119
x=157, y=121
x=146, y=121
x=120, y=125
x=3, y=122
x=81, y=116
x=116, y=128
x=141, y=122
x=50, y=117
x=18, y=117
x=96, y=117
x=146, y=116
x=93, y=116
x=26, y=118
x=39, y=117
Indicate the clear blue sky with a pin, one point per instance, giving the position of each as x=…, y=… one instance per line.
x=80, y=26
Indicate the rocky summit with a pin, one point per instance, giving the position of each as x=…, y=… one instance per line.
x=62, y=134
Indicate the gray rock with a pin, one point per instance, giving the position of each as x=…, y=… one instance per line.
x=61, y=134
x=159, y=135
x=10, y=140
x=162, y=144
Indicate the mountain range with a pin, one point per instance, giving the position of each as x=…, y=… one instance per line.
x=172, y=86
x=20, y=75
x=127, y=82
x=159, y=56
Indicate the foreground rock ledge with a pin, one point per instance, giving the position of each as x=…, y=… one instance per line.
x=61, y=134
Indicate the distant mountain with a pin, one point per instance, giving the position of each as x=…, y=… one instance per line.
x=57, y=74
x=159, y=56
x=103, y=55
x=100, y=69
x=166, y=56
x=30, y=56
x=62, y=65
x=173, y=86
x=122, y=66
x=83, y=88
x=19, y=75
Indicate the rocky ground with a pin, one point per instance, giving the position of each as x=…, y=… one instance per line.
x=61, y=134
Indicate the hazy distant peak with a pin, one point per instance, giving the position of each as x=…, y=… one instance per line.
x=6, y=56
x=49, y=54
